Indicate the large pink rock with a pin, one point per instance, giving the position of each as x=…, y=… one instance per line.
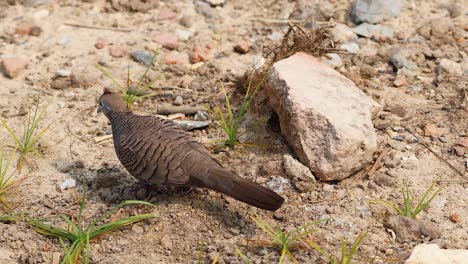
x=323, y=115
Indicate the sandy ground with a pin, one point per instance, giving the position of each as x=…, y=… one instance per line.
x=184, y=222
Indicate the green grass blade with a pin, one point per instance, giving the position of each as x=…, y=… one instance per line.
x=343, y=251
x=86, y=260
x=67, y=258
x=12, y=134
x=82, y=204
x=318, y=248
x=50, y=230
x=105, y=228
x=200, y=254
x=243, y=257
x=422, y=205
x=146, y=71
x=355, y=246
x=387, y=204
x=407, y=202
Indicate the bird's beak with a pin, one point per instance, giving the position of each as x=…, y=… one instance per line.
x=99, y=110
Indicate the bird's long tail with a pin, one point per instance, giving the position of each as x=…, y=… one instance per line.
x=224, y=181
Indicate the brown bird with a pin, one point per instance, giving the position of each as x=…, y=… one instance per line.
x=158, y=152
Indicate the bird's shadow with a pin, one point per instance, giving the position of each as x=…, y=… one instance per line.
x=114, y=187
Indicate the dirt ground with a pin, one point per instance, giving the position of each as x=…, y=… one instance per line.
x=186, y=221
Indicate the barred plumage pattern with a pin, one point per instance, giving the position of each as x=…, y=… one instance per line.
x=158, y=152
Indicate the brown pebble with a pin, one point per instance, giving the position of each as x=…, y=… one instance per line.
x=100, y=43
x=166, y=14
x=399, y=81
x=459, y=150
x=117, y=52
x=13, y=66
x=431, y=130
x=242, y=47
x=454, y=218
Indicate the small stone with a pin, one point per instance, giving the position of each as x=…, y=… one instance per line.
x=275, y=36
x=34, y=3
x=351, y=47
x=375, y=11
x=178, y=100
x=408, y=229
x=68, y=184
x=184, y=34
x=117, y=51
x=432, y=254
x=389, y=252
x=278, y=184
x=342, y=33
x=63, y=41
x=459, y=150
x=377, y=32
x=333, y=60
x=201, y=116
x=399, y=138
x=166, y=14
x=296, y=170
x=198, y=55
x=137, y=229
x=175, y=57
x=431, y=130
x=463, y=141
x=364, y=212
x=443, y=139
x=242, y=47
x=142, y=56
x=100, y=43
x=400, y=80
x=454, y=218
x=35, y=31
x=167, y=40
x=440, y=27
x=63, y=73
x=24, y=29
x=278, y=215
x=191, y=124
x=205, y=9
x=450, y=67
x=186, y=21
x=13, y=66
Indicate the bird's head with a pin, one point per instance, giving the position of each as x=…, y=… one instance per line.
x=110, y=102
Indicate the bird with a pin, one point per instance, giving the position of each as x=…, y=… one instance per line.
x=157, y=152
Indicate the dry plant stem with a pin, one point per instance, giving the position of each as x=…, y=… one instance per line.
x=333, y=200
x=101, y=139
x=97, y=27
x=378, y=162
x=438, y=156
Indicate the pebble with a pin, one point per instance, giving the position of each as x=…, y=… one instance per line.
x=278, y=184
x=117, y=51
x=201, y=116
x=63, y=73
x=205, y=9
x=333, y=60
x=342, y=33
x=68, y=184
x=184, y=34
x=64, y=40
x=431, y=130
x=100, y=43
x=364, y=212
x=198, y=55
x=351, y=47
x=375, y=11
x=166, y=14
x=454, y=218
x=167, y=40
x=191, y=125
x=450, y=67
x=275, y=36
x=137, y=229
x=28, y=29
x=242, y=47
x=400, y=80
x=186, y=21
x=443, y=139
x=12, y=66
x=142, y=56
x=175, y=57
x=374, y=31
x=34, y=3
x=459, y=150
x=178, y=100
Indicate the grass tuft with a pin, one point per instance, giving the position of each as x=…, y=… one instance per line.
x=79, y=236
x=6, y=183
x=27, y=143
x=407, y=209
x=133, y=93
x=283, y=239
x=346, y=256
x=231, y=121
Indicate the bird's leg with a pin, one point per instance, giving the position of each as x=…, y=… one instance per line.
x=182, y=190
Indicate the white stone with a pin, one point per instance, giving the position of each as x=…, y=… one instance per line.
x=342, y=33
x=63, y=73
x=296, y=170
x=351, y=47
x=184, y=34
x=333, y=60
x=375, y=11
x=373, y=31
x=68, y=184
x=323, y=115
x=432, y=254
x=450, y=67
